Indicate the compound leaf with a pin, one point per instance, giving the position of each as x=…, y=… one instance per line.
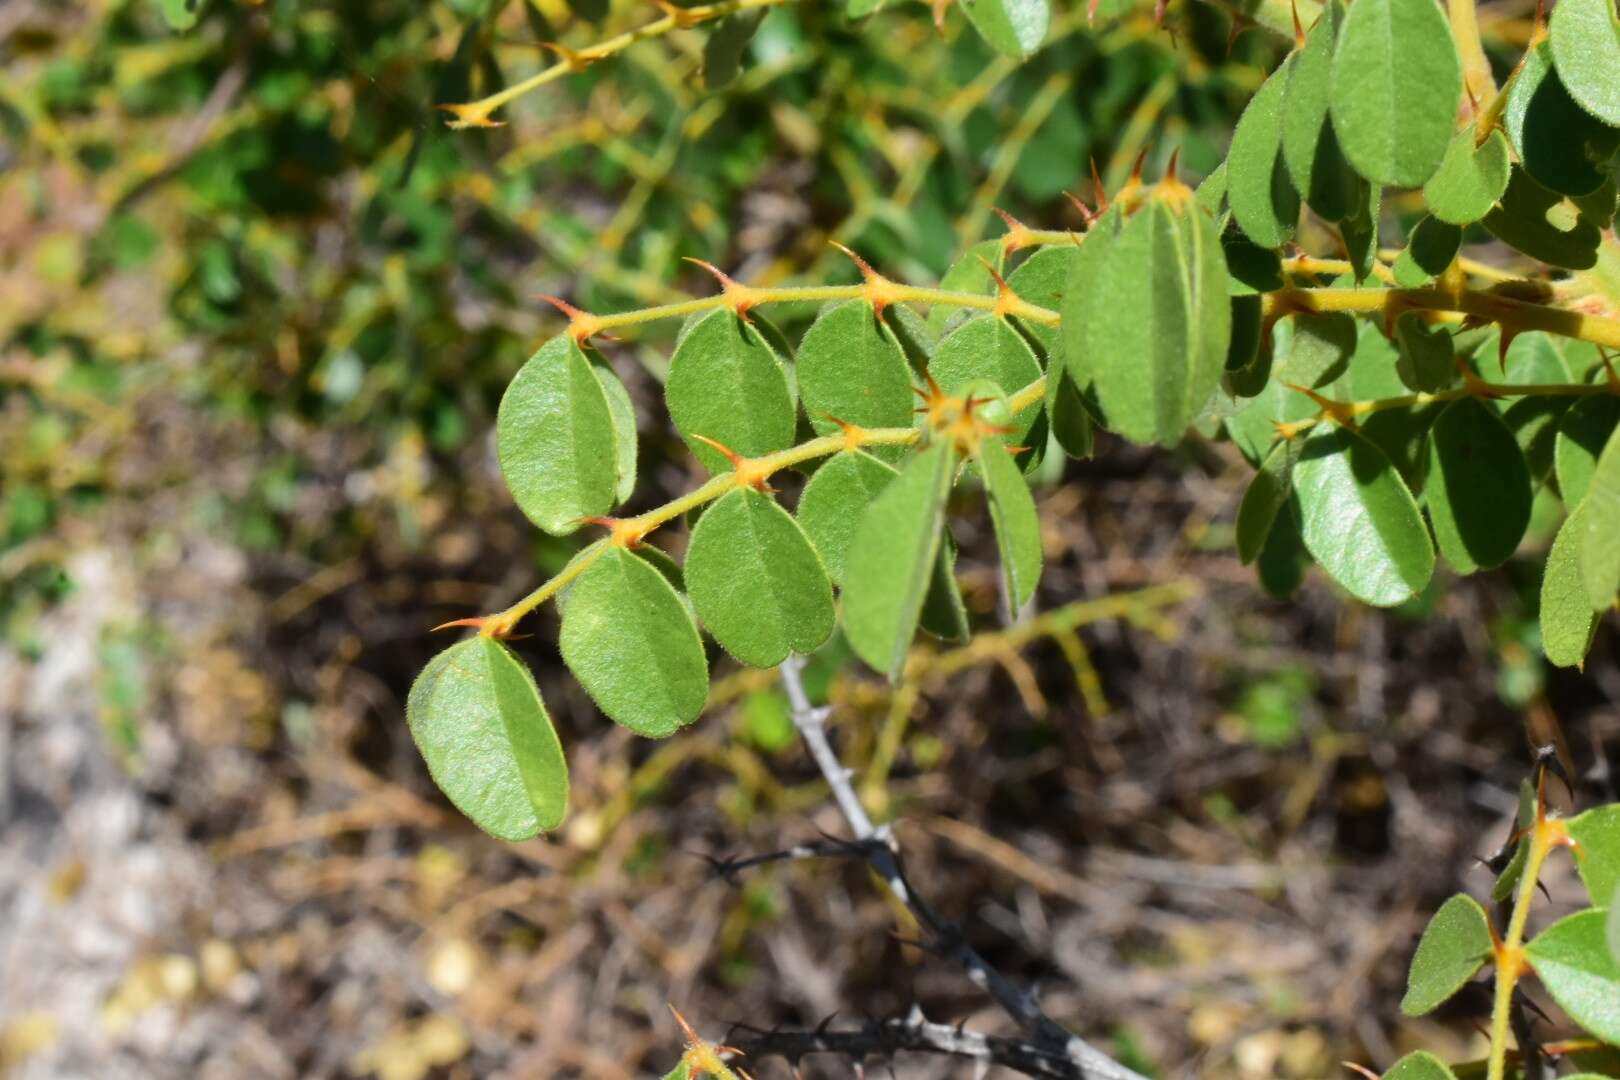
x=1396, y=81
x=1359, y=520
x=1572, y=959
x=1585, y=38
x=477, y=718
x=1453, y=948
x=892, y=559
x=756, y=582
x=555, y=438
x=633, y=645
x=726, y=384
x=1017, y=525
x=1598, y=832
x=1567, y=618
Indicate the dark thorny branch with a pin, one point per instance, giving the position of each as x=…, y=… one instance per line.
x=913, y=1033
x=1049, y=1043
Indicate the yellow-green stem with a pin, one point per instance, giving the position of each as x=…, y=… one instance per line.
x=1510, y=953
x=1477, y=77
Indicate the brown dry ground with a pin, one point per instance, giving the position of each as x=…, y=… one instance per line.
x=253, y=876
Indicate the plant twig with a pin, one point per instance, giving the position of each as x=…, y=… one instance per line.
x=913, y=1033
x=1046, y=1034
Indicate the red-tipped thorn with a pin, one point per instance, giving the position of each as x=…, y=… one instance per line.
x=737, y=294
x=1299, y=31
x=1087, y=214
x=1099, y=194
x=860, y=263
x=575, y=61
x=475, y=622
x=1091, y=12
x=1136, y=169
x=1362, y=1069
x=1017, y=232
x=1170, y=168
x=747, y=474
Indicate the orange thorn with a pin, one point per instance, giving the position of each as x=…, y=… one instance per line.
x=1091, y=12
x=854, y=434
x=691, y=1036
x=1017, y=232
x=746, y=472
x=623, y=532
x=1541, y=17
x=582, y=324
x=739, y=295
x=1099, y=195
x=1473, y=383
x=1087, y=214
x=1006, y=299
x=576, y=62
x=880, y=291
x=1170, y=169
x=476, y=622
x=1141, y=160
x=1362, y=1069
x=1338, y=411
x=683, y=17
x=1299, y=31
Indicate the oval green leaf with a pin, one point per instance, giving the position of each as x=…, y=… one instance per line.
x=1600, y=547
x=477, y=718
x=1396, y=83
x=1583, y=431
x=1146, y=318
x=633, y=646
x=892, y=559
x=555, y=439
x=726, y=384
x=851, y=367
x=1477, y=488
x=1598, y=832
x=1359, y=520
x=1453, y=948
x=1258, y=187
x=990, y=349
x=1013, y=27
x=756, y=582
x=1320, y=172
x=831, y=505
x=1267, y=494
x=1470, y=178
x=1533, y=220
x=1419, y=1065
x=1567, y=618
x=624, y=431
x=1585, y=39
x=1560, y=144
x=1017, y=524
x=1572, y=959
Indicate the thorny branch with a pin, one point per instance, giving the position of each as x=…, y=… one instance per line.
x=913, y=1033
x=1047, y=1036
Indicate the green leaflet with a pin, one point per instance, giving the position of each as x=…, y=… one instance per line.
x=1146, y=320
x=967, y=274
x=1320, y=350
x=1265, y=498
x=892, y=559
x=1453, y=948
x=1567, y=618
x=1583, y=432
x=1013, y=27
x=850, y=366
x=1613, y=932
x=1359, y=520
x=944, y=615
x=478, y=720
x=633, y=645
x=1041, y=279
x=726, y=384
x=723, y=50
x=624, y=431
x=1282, y=562
x=182, y=15
x=1017, y=525
x=988, y=348
x=1360, y=233
x=831, y=504
x=555, y=439
x=1427, y=361
x=1419, y=1065
x=1534, y=220
x=1310, y=145
x=1600, y=548
x=756, y=582
x=1258, y=189
x=1470, y=178
x=1598, y=832
x=1534, y=423
x=1561, y=145
x=1572, y=959
x=1477, y=488
x=1395, y=86
x=1429, y=251
x=1586, y=46
x=1254, y=427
